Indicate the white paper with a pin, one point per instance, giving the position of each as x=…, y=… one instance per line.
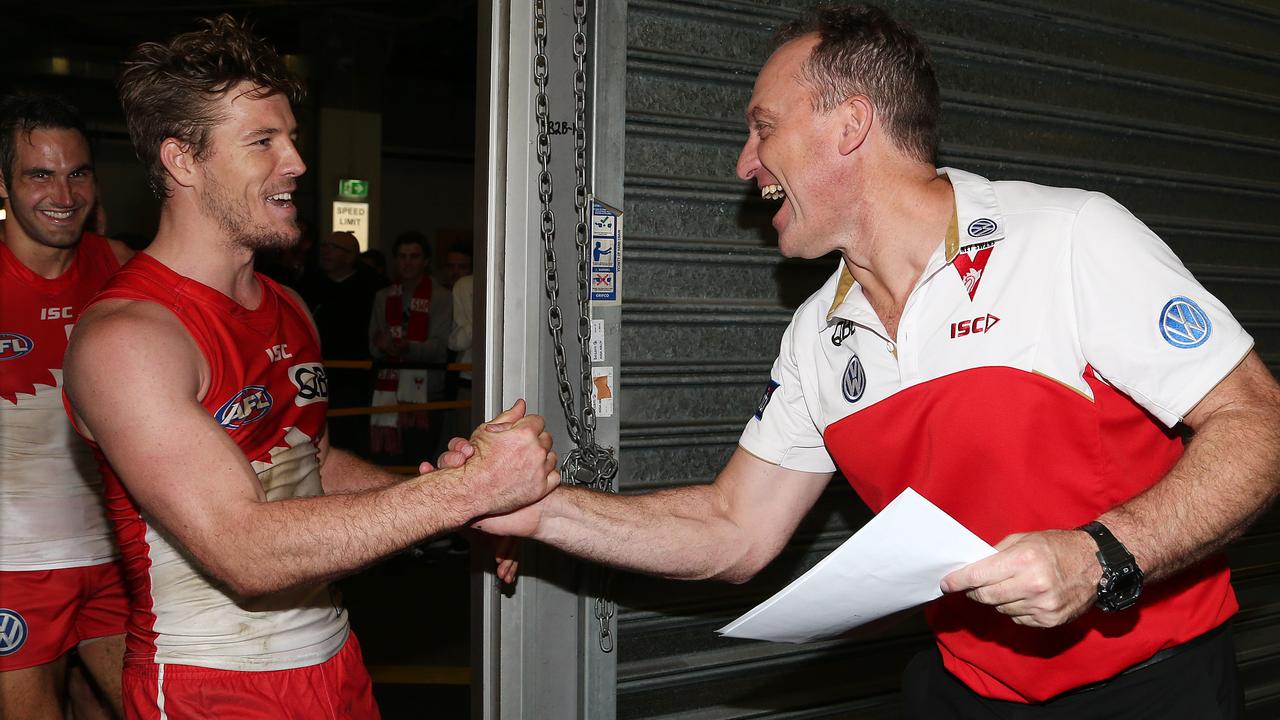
x=894, y=562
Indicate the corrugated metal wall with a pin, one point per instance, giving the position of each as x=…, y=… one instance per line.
x=1172, y=108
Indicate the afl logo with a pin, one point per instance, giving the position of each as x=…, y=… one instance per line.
x=982, y=227
x=14, y=346
x=855, y=380
x=247, y=406
x=1183, y=324
x=13, y=632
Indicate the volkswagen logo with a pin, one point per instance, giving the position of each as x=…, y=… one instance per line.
x=982, y=227
x=855, y=380
x=13, y=631
x=1183, y=324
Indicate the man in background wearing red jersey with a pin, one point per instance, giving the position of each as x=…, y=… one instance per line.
x=60, y=584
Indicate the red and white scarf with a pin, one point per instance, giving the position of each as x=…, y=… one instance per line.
x=395, y=385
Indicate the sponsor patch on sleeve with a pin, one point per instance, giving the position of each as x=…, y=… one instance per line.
x=764, y=399
x=1183, y=324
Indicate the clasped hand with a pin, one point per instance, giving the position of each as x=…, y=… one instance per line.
x=501, y=445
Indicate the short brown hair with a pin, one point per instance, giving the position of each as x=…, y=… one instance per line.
x=862, y=50
x=23, y=113
x=170, y=90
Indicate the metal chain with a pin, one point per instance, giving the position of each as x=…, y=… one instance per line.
x=604, y=608
x=586, y=463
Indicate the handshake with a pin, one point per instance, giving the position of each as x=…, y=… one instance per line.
x=506, y=467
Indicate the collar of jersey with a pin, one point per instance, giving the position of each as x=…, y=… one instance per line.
x=262, y=320
x=975, y=202
x=978, y=220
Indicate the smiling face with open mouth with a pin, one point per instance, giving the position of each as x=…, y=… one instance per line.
x=788, y=154
x=51, y=189
x=250, y=171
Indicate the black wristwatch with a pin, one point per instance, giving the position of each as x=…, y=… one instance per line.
x=1121, y=582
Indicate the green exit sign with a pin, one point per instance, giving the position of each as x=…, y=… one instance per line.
x=353, y=188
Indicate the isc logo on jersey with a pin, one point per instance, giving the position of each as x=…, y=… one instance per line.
x=14, y=346
x=977, y=325
x=312, y=383
x=249, y=405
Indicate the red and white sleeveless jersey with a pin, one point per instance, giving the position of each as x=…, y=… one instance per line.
x=268, y=391
x=1044, y=354
x=51, y=512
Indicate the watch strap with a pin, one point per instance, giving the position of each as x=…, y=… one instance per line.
x=1110, y=550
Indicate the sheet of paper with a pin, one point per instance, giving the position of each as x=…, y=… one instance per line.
x=893, y=563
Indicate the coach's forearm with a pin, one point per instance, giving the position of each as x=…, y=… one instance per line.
x=683, y=533
x=1228, y=476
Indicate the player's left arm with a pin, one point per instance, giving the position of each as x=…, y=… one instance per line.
x=341, y=471
x=344, y=472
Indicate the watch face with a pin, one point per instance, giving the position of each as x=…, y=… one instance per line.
x=1119, y=587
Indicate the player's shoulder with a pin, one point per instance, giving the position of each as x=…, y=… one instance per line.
x=132, y=346
x=115, y=325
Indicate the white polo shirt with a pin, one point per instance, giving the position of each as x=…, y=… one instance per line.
x=1047, y=333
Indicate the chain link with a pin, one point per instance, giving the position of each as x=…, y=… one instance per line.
x=587, y=463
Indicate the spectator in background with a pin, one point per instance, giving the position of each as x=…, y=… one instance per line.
x=376, y=261
x=340, y=296
x=409, y=325
x=458, y=265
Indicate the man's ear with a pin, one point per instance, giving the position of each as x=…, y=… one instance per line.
x=857, y=114
x=179, y=161
x=4, y=189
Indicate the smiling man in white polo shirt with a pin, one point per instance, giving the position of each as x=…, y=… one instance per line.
x=1017, y=354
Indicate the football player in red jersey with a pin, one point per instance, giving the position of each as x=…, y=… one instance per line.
x=231, y=510
x=60, y=583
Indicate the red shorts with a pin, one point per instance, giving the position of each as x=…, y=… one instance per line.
x=336, y=689
x=45, y=613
